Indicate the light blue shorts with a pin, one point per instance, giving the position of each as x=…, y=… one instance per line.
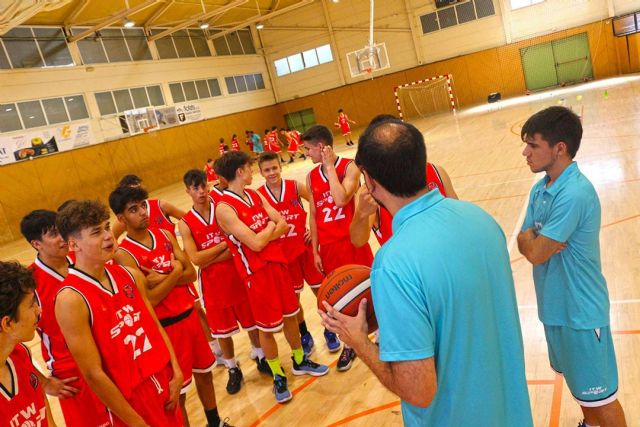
x=587, y=360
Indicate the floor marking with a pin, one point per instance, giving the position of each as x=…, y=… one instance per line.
x=556, y=403
x=365, y=413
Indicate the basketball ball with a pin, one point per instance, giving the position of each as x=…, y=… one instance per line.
x=344, y=288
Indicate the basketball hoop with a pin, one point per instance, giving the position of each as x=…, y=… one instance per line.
x=368, y=71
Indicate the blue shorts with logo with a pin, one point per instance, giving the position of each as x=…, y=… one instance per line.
x=587, y=360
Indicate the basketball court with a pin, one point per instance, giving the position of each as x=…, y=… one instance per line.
x=479, y=145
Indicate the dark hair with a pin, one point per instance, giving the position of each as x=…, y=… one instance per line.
x=209, y=160
x=16, y=282
x=393, y=153
x=229, y=163
x=196, y=177
x=215, y=166
x=274, y=127
x=79, y=215
x=234, y=135
x=281, y=129
x=340, y=110
x=121, y=196
x=129, y=180
x=266, y=156
x=318, y=134
x=221, y=140
x=555, y=124
x=382, y=118
x=65, y=204
x=37, y=223
x=266, y=131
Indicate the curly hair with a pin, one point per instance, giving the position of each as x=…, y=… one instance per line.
x=16, y=281
x=79, y=215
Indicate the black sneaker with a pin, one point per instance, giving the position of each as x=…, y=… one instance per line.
x=281, y=390
x=235, y=380
x=346, y=359
x=263, y=366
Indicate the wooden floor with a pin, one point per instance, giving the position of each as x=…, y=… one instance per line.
x=481, y=150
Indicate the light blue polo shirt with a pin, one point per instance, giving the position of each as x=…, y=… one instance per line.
x=257, y=143
x=570, y=287
x=443, y=288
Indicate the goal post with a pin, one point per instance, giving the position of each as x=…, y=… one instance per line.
x=425, y=97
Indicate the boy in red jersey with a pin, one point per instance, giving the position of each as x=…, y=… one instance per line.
x=369, y=216
x=223, y=293
x=332, y=185
x=80, y=406
x=160, y=211
x=110, y=327
x=212, y=178
x=157, y=251
x=22, y=398
x=345, y=128
x=285, y=196
x=253, y=229
x=235, y=145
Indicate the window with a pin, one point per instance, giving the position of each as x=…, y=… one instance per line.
x=121, y=100
x=234, y=43
x=34, y=47
x=53, y=46
x=244, y=83
x=300, y=61
x=114, y=45
x=182, y=44
x=41, y=112
x=192, y=90
x=519, y=4
x=459, y=14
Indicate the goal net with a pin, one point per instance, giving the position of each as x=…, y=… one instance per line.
x=424, y=98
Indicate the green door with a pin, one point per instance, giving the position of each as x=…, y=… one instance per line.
x=539, y=66
x=300, y=120
x=573, y=59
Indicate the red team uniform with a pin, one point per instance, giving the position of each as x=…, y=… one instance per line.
x=157, y=218
x=343, y=121
x=271, y=294
x=272, y=141
x=224, y=295
x=383, y=232
x=235, y=145
x=294, y=141
x=175, y=312
x=84, y=408
x=332, y=222
x=133, y=353
x=299, y=255
x=211, y=174
x=24, y=405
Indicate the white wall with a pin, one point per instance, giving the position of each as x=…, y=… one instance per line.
x=37, y=83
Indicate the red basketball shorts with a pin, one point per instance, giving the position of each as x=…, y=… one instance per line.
x=302, y=269
x=271, y=297
x=191, y=347
x=148, y=400
x=342, y=252
x=84, y=406
x=224, y=321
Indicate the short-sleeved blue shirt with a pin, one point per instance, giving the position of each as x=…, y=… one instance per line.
x=570, y=288
x=442, y=287
x=257, y=143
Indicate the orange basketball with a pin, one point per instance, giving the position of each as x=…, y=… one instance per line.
x=344, y=288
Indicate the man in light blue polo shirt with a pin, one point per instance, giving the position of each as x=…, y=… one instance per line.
x=450, y=340
x=560, y=237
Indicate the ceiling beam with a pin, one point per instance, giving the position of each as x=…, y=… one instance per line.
x=157, y=14
x=115, y=18
x=260, y=18
x=356, y=29
x=199, y=17
x=70, y=18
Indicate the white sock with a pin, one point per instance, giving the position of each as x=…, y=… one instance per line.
x=259, y=352
x=215, y=347
x=589, y=425
x=230, y=363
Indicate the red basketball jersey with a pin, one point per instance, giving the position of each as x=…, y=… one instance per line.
x=24, y=405
x=383, y=232
x=127, y=338
x=207, y=233
x=157, y=218
x=54, y=348
x=332, y=222
x=211, y=174
x=215, y=194
x=343, y=120
x=290, y=207
x=253, y=214
x=158, y=258
x=274, y=141
x=235, y=145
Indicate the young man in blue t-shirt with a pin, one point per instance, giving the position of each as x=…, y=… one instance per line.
x=560, y=237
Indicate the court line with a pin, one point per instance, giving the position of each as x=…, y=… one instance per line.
x=498, y=198
x=556, y=402
x=627, y=332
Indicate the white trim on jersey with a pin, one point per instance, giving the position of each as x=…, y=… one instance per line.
x=14, y=381
x=322, y=175
x=201, y=218
x=142, y=245
x=88, y=278
x=217, y=190
x=282, y=192
x=83, y=297
x=243, y=257
x=132, y=256
x=50, y=271
x=239, y=198
x=46, y=341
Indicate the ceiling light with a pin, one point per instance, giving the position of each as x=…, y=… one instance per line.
x=128, y=23
x=336, y=1
x=259, y=26
x=204, y=25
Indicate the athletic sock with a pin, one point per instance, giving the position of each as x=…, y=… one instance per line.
x=213, y=419
x=303, y=327
x=589, y=425
x=258, y=351
x=275, y=366
x=231, y=363
x=298, y=355
x=215, y=347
